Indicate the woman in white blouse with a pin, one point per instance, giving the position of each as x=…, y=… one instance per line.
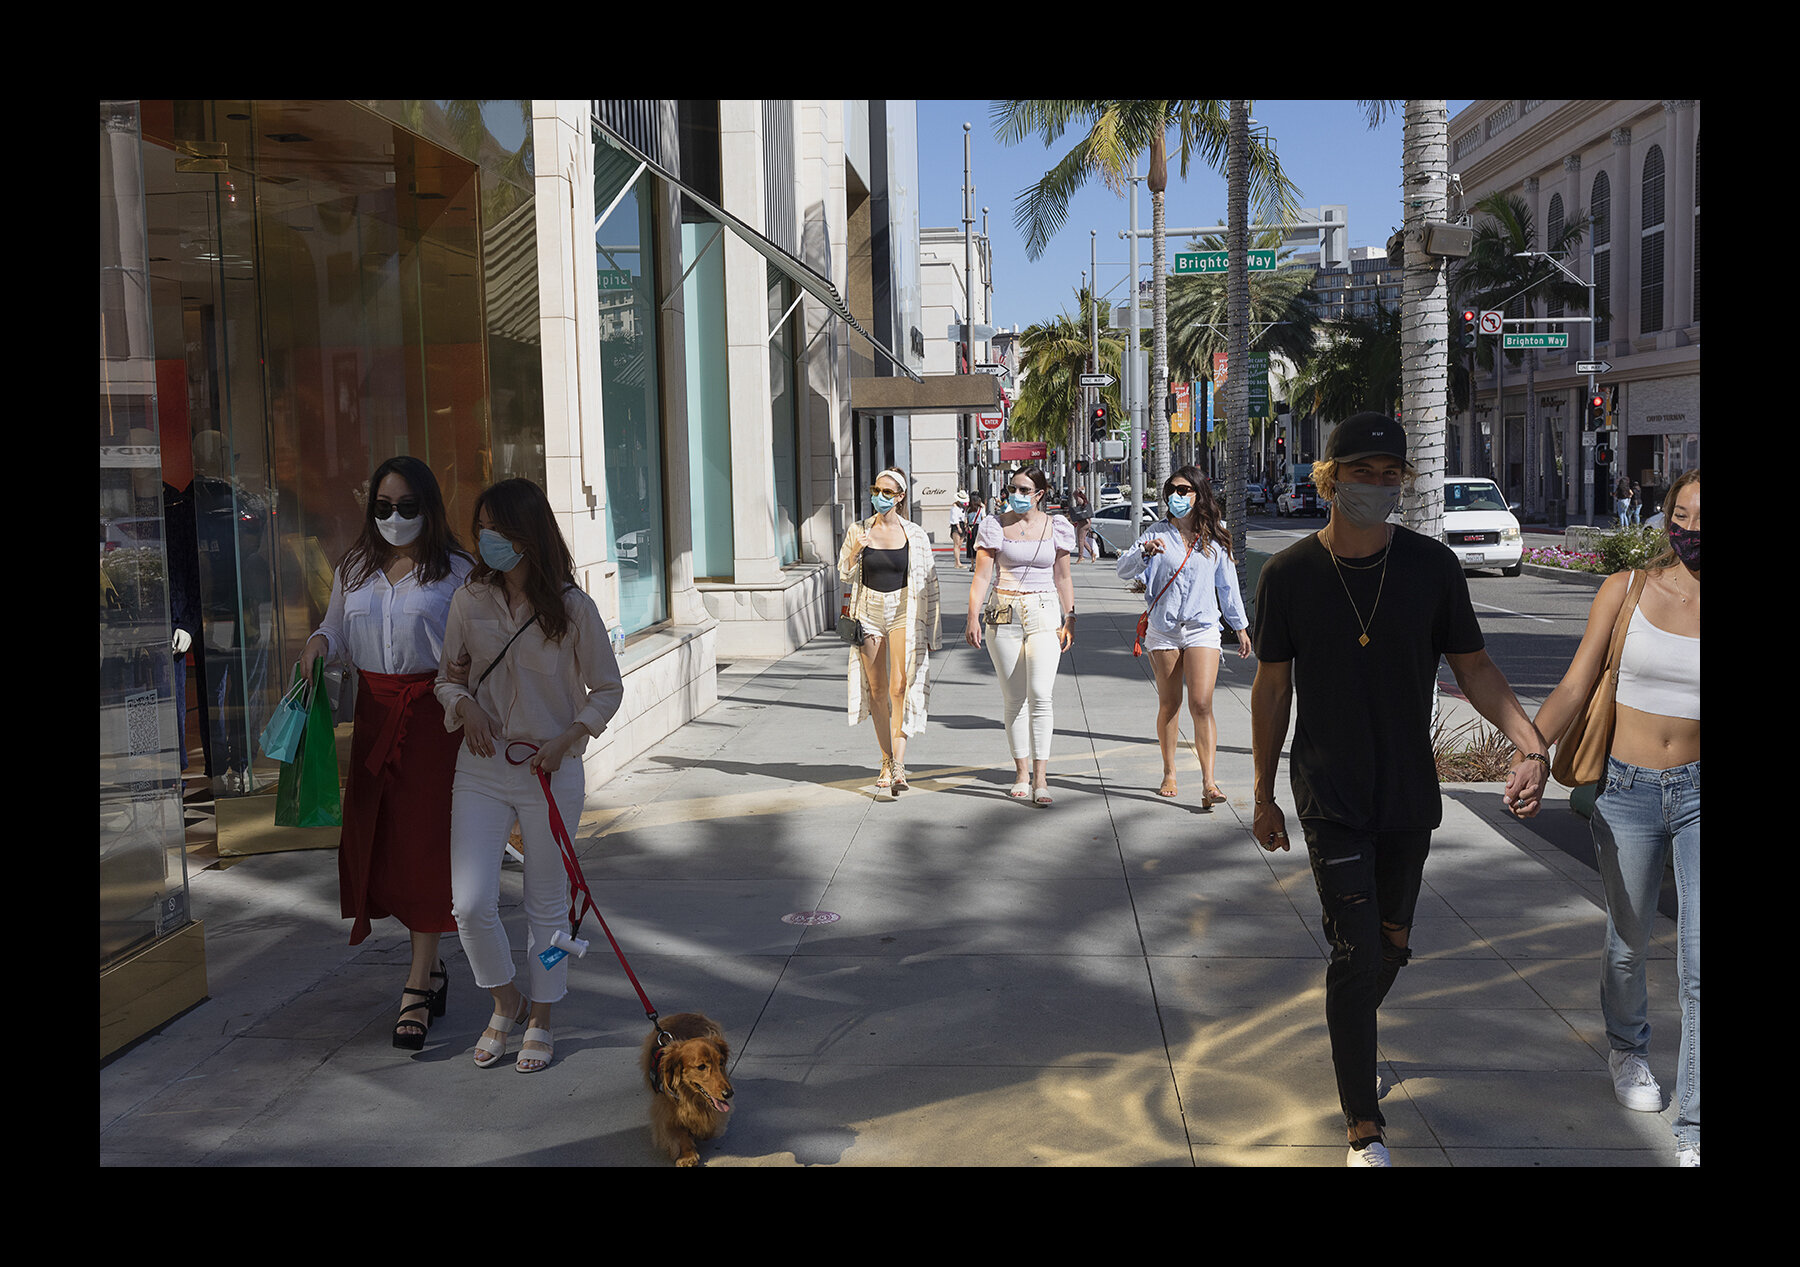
x=1191, y=591
x=1022, y=592
x=389, y=601
x=528, y=675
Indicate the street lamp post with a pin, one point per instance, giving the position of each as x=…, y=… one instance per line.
x=1593, y=378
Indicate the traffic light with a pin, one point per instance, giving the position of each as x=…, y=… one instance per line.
x=1081, y=466
x=1101, y=422
x=1465, y=329
x=1281, y=448
x=1603, y=448
x=1596, y=412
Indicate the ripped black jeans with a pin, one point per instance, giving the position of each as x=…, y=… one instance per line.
x=1367, y=882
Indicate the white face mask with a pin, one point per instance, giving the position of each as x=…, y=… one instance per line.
x=401, y=532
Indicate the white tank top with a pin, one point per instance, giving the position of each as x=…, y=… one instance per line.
x=1659, y=672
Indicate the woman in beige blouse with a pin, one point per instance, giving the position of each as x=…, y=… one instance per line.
x=529, y=676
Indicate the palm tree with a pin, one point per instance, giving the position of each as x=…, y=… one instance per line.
x=1118, y=131
x=1053, y=356
x=1424, y=335
x=1496, y=275
x=1358, y=367
x=1281, y=315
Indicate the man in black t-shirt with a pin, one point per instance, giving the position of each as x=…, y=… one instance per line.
x=1353, y=620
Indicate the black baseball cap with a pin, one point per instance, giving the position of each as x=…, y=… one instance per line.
x=1366, y=435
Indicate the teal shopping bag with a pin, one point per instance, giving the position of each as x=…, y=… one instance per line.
x=307, y=794
x=281, y=737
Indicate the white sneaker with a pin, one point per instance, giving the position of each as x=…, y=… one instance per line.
x=1375, y=1154
x=1688, y=1155
x=1633, y=1082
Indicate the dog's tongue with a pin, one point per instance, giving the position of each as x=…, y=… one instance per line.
x=720, y=1105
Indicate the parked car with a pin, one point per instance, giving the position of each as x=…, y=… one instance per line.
x=1480, y=528
x=1112, y=527
x=1112, y=495
x=1300, y=498
x=1256, y=496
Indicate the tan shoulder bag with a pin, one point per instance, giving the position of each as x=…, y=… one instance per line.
x=1582, y=747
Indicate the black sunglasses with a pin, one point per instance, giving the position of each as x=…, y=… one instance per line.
x=409, y=508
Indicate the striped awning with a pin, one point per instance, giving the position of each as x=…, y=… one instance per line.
x=819, y=287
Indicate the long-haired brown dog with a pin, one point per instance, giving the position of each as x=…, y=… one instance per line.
x=691, y=1096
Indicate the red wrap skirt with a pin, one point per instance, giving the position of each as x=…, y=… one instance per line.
x=394, y=854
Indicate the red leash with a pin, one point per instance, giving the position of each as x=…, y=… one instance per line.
x=577, y=884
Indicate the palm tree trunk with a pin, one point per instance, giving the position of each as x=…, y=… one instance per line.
x=1157, y=179
x=1424, y=329
x=1237, y=305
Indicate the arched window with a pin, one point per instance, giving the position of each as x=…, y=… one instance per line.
x=1601, y=202
x=1696, y=228
x=1553, y=230
x=1650, y=253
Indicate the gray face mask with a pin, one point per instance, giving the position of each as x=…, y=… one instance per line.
x=1365, y=505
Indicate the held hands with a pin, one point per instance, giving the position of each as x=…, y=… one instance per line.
x=1525, y=782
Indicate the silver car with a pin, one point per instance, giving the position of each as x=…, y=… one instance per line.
x=1112, y=526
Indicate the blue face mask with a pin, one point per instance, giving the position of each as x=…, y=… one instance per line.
x=1179, y=505
x=1018, y=503
x=497, y=552
x=883, y=504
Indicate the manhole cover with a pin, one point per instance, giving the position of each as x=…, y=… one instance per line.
x=811, y=917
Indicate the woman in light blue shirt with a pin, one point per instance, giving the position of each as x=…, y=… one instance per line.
x=1191, y=587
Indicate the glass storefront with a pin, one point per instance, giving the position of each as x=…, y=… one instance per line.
x=143, y=863
x=328, y=284
x=626, y=258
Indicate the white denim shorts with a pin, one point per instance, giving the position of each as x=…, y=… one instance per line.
x=1195, y=635
x=880, y=613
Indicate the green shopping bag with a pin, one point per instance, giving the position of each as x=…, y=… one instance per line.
x=307, y=794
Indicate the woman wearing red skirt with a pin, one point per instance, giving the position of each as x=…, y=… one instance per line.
x=389, y=601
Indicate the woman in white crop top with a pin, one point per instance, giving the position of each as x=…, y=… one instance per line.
x=1649, y=804
x=1023, y=595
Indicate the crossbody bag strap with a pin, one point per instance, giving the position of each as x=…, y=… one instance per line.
x=503, y=650
x=1171, y=581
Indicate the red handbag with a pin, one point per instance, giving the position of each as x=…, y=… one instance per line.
x=1143, y=628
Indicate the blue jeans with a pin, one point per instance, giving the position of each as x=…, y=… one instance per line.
x=1640, y=817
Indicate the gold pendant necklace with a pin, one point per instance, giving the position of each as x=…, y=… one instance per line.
x=1386, y=554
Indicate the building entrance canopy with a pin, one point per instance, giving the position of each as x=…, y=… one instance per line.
x=813, y=283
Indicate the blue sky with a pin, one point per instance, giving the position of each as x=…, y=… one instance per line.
x=1327, y=148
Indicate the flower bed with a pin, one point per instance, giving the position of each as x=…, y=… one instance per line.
x=1557, y=557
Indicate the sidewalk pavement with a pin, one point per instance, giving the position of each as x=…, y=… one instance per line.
x=1115, y=980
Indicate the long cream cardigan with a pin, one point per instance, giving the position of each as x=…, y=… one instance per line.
x=924, y=634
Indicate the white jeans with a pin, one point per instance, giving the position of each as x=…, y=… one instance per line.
x=484, y=799
x=1025, y=655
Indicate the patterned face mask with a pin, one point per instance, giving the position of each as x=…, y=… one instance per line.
x=1687, y=545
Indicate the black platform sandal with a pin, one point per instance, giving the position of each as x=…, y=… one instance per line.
x=416, y=1042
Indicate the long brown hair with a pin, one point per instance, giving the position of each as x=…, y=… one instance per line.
x=371, y=552
x=519, y=511
x=1665, y=557
x=1205, y=517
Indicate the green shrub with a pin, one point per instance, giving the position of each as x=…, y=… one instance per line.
x=1630, y=548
